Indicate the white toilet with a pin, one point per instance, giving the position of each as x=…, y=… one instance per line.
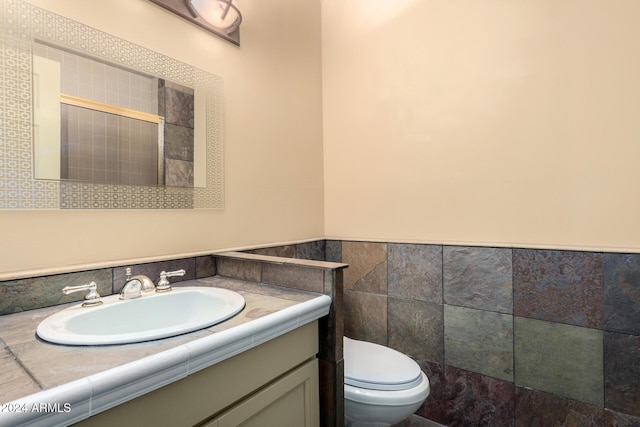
x=381, y=386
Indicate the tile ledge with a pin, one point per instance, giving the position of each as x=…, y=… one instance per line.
x=492, y=244
x=323, y=265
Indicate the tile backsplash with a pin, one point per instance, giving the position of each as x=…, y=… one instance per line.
x=45, y=291
x=37, y=292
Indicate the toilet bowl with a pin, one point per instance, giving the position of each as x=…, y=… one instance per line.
x=381, y=386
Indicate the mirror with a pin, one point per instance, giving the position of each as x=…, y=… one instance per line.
x=37, y=167
x=98, y=122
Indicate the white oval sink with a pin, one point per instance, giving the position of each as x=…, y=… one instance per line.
x=150, y=317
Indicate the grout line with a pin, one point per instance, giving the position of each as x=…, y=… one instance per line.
x=19, y=362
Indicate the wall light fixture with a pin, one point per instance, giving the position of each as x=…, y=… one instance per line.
x=221, y=17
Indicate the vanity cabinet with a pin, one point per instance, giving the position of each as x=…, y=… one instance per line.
x=273, y=384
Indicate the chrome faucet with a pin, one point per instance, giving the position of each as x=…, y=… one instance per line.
x=91, y=299
x=163, y=284
x=136, y=286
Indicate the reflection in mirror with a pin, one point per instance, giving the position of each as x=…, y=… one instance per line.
x=24, y=30
x=116, y=126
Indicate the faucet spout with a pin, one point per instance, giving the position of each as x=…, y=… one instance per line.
x=136, y=286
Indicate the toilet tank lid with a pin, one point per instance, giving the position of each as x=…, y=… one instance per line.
x=373, y=366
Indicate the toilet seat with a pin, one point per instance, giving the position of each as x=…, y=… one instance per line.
x=375, y=367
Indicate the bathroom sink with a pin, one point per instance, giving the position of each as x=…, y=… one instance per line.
x=150, y=317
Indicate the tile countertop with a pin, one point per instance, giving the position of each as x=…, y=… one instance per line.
x=49, y=384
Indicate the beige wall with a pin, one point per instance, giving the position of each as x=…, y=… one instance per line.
x=492, y=121
x=273, y=141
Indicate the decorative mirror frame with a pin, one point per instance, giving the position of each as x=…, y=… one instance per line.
x=21, y=24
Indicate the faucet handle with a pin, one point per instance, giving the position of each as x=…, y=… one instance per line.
x=163, y=284
x=91, y=299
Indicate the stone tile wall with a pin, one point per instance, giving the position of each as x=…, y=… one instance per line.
x=508, y=337
x=176, y=105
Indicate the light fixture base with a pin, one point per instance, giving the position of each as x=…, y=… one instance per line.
x=180, y=8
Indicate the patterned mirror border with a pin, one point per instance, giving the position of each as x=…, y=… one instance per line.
x=21, y=24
